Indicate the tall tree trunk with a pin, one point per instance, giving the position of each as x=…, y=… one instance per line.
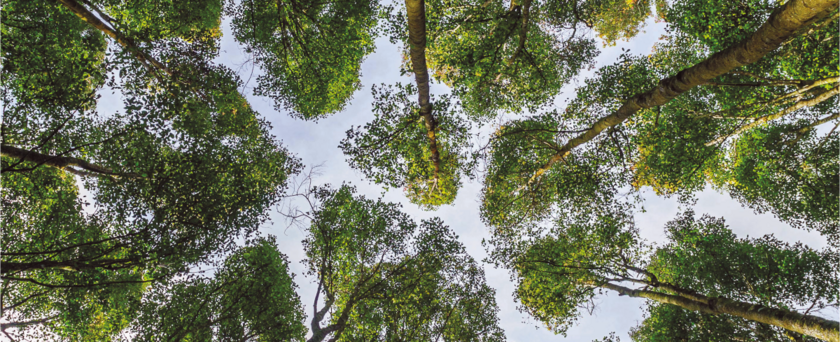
x=88, y=17
x=416, y=10
x=59, y=162
x=783, y=24
x=70, y=265
x=805, y=324
x=151, y=63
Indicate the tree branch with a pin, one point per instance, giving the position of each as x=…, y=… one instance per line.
x=784, y=23
x=59, y=162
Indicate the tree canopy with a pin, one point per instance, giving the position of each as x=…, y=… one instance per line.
x=383, y=277
x=703, y=268
x=141, y=215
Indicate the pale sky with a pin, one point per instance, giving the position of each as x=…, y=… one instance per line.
x=317, y=143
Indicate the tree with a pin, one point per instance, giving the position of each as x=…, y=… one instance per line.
x=499, y=57
x=530, y=65
x=731, y=129
x=172, y=179
x=393, y=150
x=383, y=277
x=251, y=297
x=703, y=268
x=660, y=136
x=192, y=20
x=671, y=323
x=311, y=51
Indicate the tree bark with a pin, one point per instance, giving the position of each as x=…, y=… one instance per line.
x=88, y=17
x=57, y=161
x=72, y=265
x=151, y=63
x=783, y=24
x=416, y=11
x=805, y=324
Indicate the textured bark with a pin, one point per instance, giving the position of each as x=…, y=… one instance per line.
x=664, y=298
x=54, y=161
x=83, y=13
x=805, y=324
x=416, y=10
x=783, y=24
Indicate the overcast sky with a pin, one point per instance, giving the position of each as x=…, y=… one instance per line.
x=316, y=143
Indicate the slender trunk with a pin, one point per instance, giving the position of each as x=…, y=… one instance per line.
x=523, y=31
x=320, y=334
x=5, y=326
x=416, y=10
x=818, y=122
x=58, y=161
x=805, y=324
x=82, y=12
x=151, y=63
x=65, y=265
x=796, y=106
x=783, y=24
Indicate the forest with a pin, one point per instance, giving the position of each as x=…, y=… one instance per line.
x=139, y=179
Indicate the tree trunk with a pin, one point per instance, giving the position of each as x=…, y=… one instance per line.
x=151, y=64
x=805, y=324
x=55, y=161
x=416, y=10
x=783, y=24
x=92, y=20
x=798, y=105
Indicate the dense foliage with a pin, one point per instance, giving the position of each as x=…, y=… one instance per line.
x=137, y=215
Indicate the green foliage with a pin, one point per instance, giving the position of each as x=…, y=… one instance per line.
x=311, y=51
x=556, y=272
x=191, y=20
x=169, y=183
x=789, y=173
x=670, y=323
x=105, y=215
x=673, y=158
x=705, y=255
x=716, y=23
x=251, y=297
x=394, y=149
x=41, y=69
x=386, y=278
x=590, y=177
x=512, y=200
x=498, y=58
x=563, y=271
x=616, y=20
